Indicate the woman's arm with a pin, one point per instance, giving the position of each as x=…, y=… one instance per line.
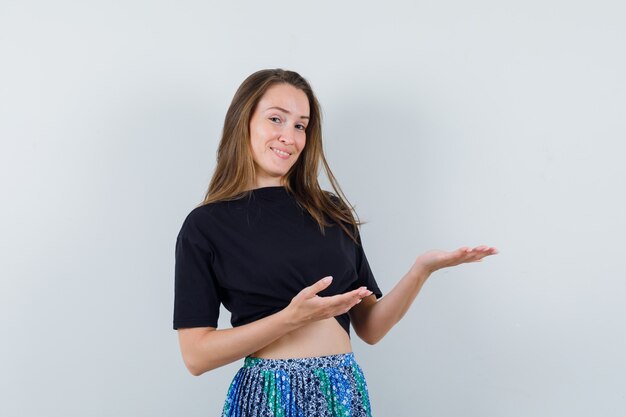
x=372, y=319
x=206, y=348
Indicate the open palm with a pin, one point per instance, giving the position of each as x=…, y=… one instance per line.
x=437, y=259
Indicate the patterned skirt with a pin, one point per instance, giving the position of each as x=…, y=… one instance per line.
x=321, y=386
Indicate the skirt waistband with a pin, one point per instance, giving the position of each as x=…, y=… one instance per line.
x=328, y=361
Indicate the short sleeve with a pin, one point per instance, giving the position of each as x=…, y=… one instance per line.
x=364, y=272
x=196, y=291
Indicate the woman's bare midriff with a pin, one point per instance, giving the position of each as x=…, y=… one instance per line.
x=320, y=338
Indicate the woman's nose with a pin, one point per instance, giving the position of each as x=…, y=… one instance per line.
x=286, y=136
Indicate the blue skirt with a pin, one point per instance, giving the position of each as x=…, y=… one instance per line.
x=321, y=386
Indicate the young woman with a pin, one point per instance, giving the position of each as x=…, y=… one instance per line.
x=285, y=258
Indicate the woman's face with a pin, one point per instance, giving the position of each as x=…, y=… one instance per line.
x=278, y=124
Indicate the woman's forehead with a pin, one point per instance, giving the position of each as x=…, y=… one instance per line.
x=287, y=99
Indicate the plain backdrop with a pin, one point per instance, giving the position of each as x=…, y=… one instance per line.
x=447, y=124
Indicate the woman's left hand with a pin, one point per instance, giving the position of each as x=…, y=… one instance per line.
x=433, y=260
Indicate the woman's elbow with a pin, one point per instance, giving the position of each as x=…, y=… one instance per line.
x=194, y=369
x=190, y=340
x=197, y=368
x=371, y=340
x=367, y=338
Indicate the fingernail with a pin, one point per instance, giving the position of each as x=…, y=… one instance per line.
x=328, y=279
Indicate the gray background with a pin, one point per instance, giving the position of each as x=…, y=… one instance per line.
x=447, y=123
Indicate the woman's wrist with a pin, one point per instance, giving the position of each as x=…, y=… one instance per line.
x=287, y=319
x=420, y=272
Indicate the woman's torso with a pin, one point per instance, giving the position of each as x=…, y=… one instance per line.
x=320, y=338
x=260, y=252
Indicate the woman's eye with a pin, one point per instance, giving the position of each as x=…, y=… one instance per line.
x=272, y=118
x=303, y=127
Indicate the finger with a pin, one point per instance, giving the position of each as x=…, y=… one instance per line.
x=344, y=298
x=486, y=249
x=319, y=285
x=348, y=298
x=356, y=292
x=483, y=255
x=361, y=291
x=346, y=304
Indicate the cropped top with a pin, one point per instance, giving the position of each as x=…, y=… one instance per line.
x=255, y=254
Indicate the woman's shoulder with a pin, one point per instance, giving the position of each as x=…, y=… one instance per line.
x=211, y=216
x=198, y=220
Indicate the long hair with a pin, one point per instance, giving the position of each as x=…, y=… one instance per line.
x=235, y=169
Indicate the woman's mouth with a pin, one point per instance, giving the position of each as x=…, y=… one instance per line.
x=280, y=154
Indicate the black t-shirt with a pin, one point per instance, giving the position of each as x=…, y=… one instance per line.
x=255, y=254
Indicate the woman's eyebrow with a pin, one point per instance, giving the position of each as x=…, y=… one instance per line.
x=286, y=111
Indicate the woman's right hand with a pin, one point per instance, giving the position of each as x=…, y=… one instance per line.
x=307, y=306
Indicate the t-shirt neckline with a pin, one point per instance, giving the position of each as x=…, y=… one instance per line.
x=270, y=192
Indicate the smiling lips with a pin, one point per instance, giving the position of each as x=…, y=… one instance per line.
x=280, y=153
